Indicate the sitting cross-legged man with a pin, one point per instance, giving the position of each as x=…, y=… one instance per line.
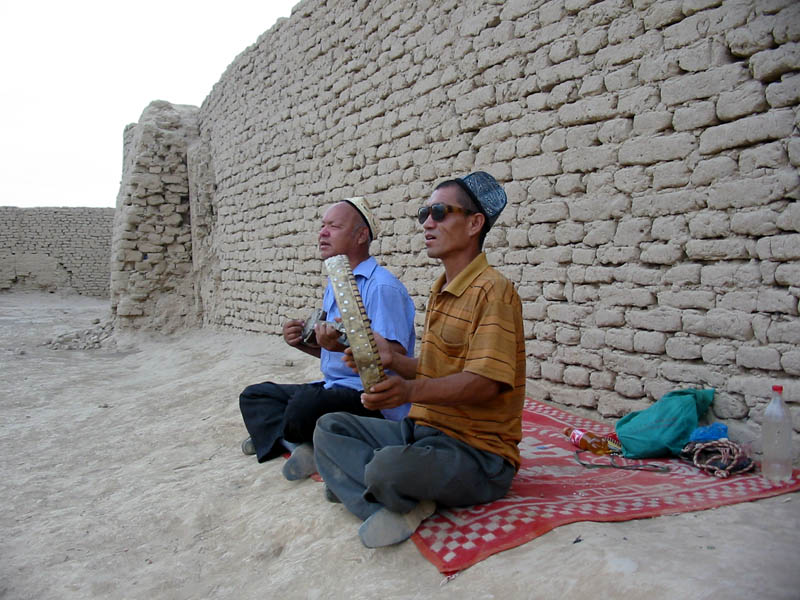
x=458, y=446
x=282, y=416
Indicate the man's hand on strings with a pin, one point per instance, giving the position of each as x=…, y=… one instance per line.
x=328, y=336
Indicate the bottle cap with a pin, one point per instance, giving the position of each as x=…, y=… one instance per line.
x=777, y=388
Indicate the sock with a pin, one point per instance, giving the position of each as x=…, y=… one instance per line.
x=288, y=445
x=300, y=464
x=385, y=527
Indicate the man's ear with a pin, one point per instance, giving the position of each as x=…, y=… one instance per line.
x=363, y=235
x=476, y=221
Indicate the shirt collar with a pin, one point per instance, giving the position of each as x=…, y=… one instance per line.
x=366, y=267
x=463, y=280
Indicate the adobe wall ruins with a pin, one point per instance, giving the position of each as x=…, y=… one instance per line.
x=649, y=150
x=53, y=249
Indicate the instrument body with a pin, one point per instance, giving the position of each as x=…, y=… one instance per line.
x=355, y=323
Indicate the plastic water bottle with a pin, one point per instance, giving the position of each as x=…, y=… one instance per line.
x=587, y=440
x=776, y=439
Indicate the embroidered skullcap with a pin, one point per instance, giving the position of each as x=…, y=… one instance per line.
x=486, y=192
x=361, y=205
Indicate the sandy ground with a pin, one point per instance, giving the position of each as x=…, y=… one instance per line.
x=122, y=477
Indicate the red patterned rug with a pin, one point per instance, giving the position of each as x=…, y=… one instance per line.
x=552, y=489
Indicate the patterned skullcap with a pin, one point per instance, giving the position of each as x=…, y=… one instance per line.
x=487, y=193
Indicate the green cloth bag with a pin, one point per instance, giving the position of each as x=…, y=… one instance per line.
x=664, y=428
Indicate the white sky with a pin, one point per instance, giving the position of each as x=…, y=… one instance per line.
x=74, y=73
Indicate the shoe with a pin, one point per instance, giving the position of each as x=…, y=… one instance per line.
x=385, y=527
x=330, y=496
x=248, y=447
x=300, y=465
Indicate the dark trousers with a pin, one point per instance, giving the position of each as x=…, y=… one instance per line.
x=273, y=411
x=370, y=464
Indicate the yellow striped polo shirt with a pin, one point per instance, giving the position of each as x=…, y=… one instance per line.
x=475, y=325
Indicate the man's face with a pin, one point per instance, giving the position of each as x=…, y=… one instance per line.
x=450, y=235
x=340, y=230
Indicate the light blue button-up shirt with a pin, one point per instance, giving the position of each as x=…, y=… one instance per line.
x=391, y=313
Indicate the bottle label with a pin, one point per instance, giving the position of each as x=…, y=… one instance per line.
x=575, y=437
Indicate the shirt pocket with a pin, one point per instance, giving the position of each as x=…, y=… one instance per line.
x=450, y=338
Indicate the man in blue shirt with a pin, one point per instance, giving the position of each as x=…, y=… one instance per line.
x=283, y=416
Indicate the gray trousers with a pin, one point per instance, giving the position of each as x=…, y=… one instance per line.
x=373, y=463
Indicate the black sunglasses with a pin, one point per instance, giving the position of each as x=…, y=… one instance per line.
x=439, y=211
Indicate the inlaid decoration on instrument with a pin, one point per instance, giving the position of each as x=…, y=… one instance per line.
x=355, y=322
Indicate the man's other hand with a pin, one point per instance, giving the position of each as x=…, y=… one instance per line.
x=293, y=332
x=392, y=391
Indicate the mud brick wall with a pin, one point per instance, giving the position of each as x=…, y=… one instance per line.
x=649, y=150
x=151, y=254
x=56, y=249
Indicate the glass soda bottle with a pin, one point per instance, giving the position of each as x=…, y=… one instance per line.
x=776, y=439
x=587, y=440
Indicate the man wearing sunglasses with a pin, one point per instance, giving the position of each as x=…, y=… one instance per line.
x=282, y=416
x=458, y=445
